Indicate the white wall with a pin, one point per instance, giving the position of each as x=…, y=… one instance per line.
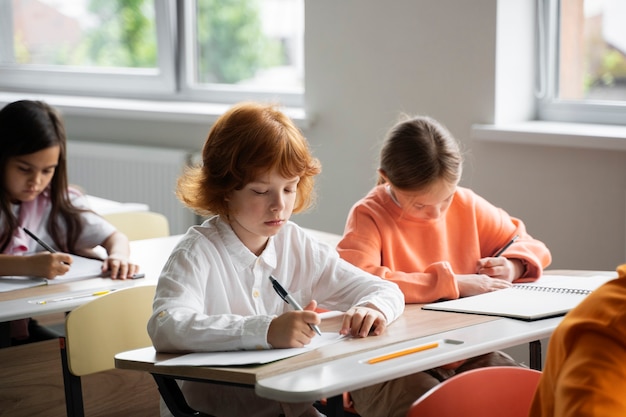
x=367, y=60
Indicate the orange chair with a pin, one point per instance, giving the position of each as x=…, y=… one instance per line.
x=486, y=392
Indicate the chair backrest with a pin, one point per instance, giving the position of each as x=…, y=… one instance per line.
x=105, y=326
x=486, y=392
x=137, y=225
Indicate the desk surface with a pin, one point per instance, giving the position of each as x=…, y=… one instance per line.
x=343, y=366
x=414, y=323
x=149, y=254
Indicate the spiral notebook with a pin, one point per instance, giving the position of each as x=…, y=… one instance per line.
x=549, y=296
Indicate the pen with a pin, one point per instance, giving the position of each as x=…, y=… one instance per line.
x=41, y=242
x=403, y=352
x=289, y=300
x=505, y=247
x=74, y=297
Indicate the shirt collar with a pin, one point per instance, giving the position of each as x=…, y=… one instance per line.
x=242, y=257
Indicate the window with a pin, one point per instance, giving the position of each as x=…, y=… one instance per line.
x=201, y=50
x=582, y=61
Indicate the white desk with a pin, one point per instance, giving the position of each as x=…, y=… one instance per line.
x=353, y=372
x=150, y=255
x=332, y=370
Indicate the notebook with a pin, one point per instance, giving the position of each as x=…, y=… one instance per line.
x=82, y=268
x=549, y=296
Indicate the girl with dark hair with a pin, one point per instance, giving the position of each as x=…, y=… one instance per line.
x=34, y=194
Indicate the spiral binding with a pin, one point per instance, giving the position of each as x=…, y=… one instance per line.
x=552, y=289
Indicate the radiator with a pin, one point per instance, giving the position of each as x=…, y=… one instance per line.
x=132, y=174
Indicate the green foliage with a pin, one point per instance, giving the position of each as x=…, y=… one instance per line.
x=125, y=35
x=231, y=43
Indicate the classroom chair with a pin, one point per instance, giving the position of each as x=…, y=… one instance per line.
x=486, y=392
x=137, y=225
x=96, y=331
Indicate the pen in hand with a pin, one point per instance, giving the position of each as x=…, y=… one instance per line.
x=505, y=247
x=290, y=300
x=41, y=242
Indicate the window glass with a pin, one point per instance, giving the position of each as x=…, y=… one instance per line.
x=220, y=51
x=81, y=33
x=592, y=61
x=582, y=61
x=244, y=49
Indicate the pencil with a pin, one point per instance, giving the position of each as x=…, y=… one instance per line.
x=74, y=297
x=403, y=352
x=505, y=247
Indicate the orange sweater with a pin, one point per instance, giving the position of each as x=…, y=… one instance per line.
x=585, y=370
x=422, y=256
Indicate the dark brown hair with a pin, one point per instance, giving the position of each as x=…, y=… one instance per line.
x=27, y=127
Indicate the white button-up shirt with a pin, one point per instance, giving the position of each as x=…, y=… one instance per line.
x=214, y=293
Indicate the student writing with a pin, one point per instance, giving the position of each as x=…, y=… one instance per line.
x=215, y=293
x=418, y=228
x=35, y=195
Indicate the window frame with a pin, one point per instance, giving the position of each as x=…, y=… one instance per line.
x=549, y=106
x=173, y=79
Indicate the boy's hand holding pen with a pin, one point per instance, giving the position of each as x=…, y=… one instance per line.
x=293, y=330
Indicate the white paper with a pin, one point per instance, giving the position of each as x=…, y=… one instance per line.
x=249, y=357
x=81, y=268
x=549, y=296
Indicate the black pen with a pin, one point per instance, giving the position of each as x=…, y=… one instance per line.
x=505, y=247
x=289, y=300
x=41, y=242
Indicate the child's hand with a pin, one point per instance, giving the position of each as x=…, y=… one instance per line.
x=361, y=321
x=49, y=265
x=501, y=268
x=474, y=284
x=292, y=329
x=120, y=268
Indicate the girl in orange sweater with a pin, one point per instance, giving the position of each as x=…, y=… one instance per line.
x=436, y=240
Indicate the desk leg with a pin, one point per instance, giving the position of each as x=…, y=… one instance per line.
x=535, y=354
x=174, y=398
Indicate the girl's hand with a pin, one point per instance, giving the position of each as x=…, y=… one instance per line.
x=501, y=268
x=361, y=321
x=49, y=265
x=120, y=268
x=474, y=284
x=292, y=329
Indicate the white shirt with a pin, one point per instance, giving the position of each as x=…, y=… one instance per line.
x=214, y=293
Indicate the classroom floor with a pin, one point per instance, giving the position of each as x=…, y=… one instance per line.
x=31, y=384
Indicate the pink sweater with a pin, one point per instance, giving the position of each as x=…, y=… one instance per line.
x=422, y=256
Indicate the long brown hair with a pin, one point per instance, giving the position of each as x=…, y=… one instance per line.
x=27, y=127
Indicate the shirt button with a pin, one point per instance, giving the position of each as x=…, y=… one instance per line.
x=255, y=293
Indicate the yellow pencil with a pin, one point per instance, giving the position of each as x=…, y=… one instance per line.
x=73, y=297
x=403, y=352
